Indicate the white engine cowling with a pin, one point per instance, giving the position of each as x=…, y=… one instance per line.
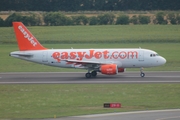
x=109, y=69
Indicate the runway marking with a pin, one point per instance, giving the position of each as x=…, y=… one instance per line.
x=169, y=118
x=156, y=76
x=126, y=113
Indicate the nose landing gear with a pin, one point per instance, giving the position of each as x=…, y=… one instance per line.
x=142, y=74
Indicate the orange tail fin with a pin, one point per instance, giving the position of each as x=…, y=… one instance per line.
x=26, y=41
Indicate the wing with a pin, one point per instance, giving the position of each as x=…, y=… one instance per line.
x=89, y=64
x=83, y=62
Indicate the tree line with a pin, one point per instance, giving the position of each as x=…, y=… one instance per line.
x=88, y=5
x=59, y=19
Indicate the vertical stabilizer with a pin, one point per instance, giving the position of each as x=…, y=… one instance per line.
x=26, y=41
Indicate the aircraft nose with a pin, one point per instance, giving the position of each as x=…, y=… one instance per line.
x=163, y=60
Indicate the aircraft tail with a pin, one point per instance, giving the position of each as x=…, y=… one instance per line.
x=25, y=39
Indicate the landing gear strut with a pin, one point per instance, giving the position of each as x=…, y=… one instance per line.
x=92, y=74
x=142, y=74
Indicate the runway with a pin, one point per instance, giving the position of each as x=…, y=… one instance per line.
x=173, y=114
x=79, y=78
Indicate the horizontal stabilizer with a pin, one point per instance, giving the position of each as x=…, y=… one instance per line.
x=20, y=54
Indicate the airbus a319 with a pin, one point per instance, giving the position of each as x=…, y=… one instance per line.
x=105, y=61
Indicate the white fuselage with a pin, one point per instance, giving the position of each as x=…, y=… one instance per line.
x=124, y=58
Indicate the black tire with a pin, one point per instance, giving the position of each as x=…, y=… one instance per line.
x=93, y=73
x=88, y=75
x=142, y=74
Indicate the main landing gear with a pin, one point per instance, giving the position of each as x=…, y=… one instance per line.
x=92, y=74
x=142, y=74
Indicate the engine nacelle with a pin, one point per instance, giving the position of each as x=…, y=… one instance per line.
x=109, y=69
x=121, y=69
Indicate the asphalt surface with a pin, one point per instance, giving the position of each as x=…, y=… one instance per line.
x=138, y=115
x=79, y=78
x=122, y=78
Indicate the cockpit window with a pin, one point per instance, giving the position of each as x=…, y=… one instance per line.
x=154, y=55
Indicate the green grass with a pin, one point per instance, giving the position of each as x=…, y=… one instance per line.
x=99, y=34
x=168, y=50
x=45, y=101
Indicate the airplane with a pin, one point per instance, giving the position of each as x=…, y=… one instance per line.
x=105, y=61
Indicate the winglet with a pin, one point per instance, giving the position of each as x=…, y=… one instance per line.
x=25, y=39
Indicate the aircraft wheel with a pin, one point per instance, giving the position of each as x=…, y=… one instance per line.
x=93, y=73
x=88, y=75
x=142, y=74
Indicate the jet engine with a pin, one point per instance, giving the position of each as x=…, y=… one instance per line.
x=109, y=69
